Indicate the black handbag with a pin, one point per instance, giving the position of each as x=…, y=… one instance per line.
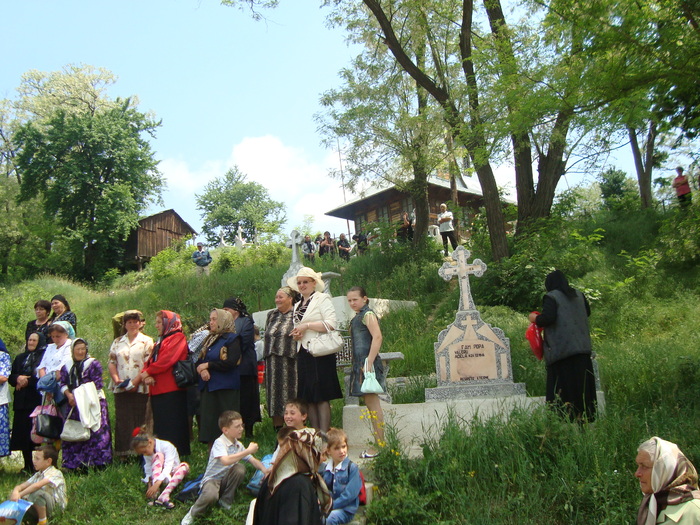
x=185, y=373
x=49, y=425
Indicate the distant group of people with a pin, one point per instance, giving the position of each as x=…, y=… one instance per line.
x=325, y=245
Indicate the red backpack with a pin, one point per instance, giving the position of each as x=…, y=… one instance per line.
x=363, y=491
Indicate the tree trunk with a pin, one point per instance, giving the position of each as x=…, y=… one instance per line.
x=419, y=192
x=644, y=166
x=454, y=173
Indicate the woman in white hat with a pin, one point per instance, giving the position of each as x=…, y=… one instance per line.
x=318, y=379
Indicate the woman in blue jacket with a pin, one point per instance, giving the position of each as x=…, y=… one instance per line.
x=219, y=375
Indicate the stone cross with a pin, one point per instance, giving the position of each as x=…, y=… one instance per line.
x=463, y=270
x=294, y=242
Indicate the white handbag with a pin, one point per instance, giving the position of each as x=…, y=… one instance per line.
x=73, y=430
x=326, y=344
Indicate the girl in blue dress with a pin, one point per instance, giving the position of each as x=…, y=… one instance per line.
x=366, y=342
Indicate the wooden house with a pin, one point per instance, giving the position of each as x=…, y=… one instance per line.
x=154, y=234
x=387, y=203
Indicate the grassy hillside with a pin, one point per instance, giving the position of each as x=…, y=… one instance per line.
x=644, y=305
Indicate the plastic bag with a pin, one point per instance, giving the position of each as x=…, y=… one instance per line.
x=12, y=512
x=534, y=336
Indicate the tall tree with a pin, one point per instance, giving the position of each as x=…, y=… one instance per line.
x=230, y=202
x=95, y=173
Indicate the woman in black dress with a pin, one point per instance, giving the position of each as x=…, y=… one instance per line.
x=42, y=309
x=27, y=398
x=567, y=349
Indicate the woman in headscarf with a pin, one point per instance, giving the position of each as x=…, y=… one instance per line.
x=168, y=401
x=250, y=391
x=318, y=376
x=62, y=312
x=669, y=483
x=567, y=348
x=127, y=357
x=5, y=369
x=24, y=379
x=81, y=370
x=294, y=492
x=280, y=355
x=219, y=378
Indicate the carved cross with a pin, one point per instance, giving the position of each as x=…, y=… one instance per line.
x=294, y=242
x=463, y=270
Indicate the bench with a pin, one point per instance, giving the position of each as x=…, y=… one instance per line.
x=344, y=361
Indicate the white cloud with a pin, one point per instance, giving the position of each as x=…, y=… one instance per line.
x=288, y=173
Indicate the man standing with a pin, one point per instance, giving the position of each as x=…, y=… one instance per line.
x=680, y=183
x=447, y=230
x=202, y=259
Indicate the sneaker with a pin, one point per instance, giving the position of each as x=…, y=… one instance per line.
x=368, y=455
x=224, y=505
x=188, y=519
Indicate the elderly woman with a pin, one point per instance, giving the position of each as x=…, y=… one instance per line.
x=294, y=492
x=567, y=348
x=56, y=354
x=62, y=312
x=42, y=309
x=168, y=401
x=127, y=357
x=669, y=483
x=23, y=378
x=219, y=377
x=318, y=378
x=80, y=370
x=280, y=355
x=5, y=369
x=250, y=392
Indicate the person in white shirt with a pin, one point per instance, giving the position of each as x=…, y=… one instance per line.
x=447, y=230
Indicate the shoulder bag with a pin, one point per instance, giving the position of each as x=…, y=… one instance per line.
x=48, y=424
x=185, y=373
x=326, y=344
x=73, y=429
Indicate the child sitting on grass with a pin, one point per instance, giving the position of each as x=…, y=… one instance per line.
x=224, y=471
x=46, y=489
x=342, y=478
x=161, y=463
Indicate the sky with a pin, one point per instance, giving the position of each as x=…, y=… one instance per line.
x=229, y=90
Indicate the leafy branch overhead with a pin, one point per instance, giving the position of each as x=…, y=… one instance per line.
x=230, y=202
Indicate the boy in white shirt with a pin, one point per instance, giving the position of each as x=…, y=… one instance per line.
x=46, y=488
x=224, y=471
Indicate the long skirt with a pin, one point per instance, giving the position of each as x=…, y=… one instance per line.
x=4, y=430
x=212, y=404
x=250, y=401
x=280, y=382
x=571, y=387
x=318, y=377
x=130, y=410
x=96, y=451
x=21, y=429
x=170, y=421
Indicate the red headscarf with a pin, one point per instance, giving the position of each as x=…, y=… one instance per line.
x=171, y=323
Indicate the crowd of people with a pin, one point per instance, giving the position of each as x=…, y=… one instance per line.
x=56, y=375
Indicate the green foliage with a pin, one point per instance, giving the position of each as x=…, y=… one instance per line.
x=230, y=202
x=175, y=260
x=618, y=191
x=679, y=235
x=229, y=258
x=94, y=172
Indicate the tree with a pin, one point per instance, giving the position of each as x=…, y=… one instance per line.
x=95, y=172
x=230, y=202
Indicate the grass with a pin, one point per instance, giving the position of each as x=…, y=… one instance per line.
x=533, y=466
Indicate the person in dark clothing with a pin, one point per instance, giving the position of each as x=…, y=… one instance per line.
x=567, y=349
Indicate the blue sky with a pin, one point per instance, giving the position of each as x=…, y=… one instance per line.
x=229, y=90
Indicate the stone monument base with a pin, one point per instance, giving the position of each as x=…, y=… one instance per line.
x=490, y=389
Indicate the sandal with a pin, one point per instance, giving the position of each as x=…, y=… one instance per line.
x=165, y=504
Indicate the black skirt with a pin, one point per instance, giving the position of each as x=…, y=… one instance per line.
x=170, y=421
x=318, y=377
x=571, y=387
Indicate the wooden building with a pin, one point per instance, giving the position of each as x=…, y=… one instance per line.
x=387, y=203
x=154, y=234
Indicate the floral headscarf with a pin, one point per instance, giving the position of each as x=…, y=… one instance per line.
x=67, y=327
x=674, y=480
x=171, y=323
x=300, y=453
x=235, y=303
x=75, y=376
